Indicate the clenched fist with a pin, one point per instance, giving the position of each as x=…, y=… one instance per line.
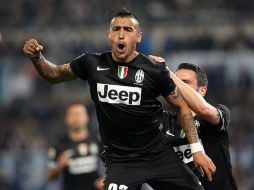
x=32, y=48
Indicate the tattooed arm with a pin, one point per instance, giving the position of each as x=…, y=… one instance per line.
x=184, y=116
x=202, y=162
x=47, y=70
x=195, y=100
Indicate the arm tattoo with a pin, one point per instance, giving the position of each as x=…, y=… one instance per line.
x=184, y=115
x=190, y=130
x=51, y=72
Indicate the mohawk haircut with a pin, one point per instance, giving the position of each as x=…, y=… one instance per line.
x=201, y=76
x=125, y=13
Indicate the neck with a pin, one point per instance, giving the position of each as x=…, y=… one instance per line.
x=78, y=134
x=125, y=59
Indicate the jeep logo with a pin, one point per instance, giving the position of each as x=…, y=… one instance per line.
x=116, y=94
x=184, y=153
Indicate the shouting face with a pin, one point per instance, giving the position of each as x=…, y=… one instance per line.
x=123, y=36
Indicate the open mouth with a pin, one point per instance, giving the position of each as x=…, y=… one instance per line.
x=121, y=47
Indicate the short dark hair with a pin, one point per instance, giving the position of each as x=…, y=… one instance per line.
x=201, y=76
x=125, y=13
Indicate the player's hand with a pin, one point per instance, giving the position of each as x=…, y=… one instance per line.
x=32, y=48
x=63, y=160
x=204, y=164
x=156, y=58
x=159, y=60
x=99, y=183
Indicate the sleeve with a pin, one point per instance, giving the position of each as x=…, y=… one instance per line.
x=79, y=66
x=164, y=83
x=224, y=117
x=52, y=157
x=169, y=122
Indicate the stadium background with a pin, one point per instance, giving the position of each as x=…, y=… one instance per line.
x=218, y=35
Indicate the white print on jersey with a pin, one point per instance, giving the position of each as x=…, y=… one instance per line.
x=114, y=186
x=116, y=94
x=93, y=148
x=83, y=149
x=102, y=69
x=139, y=77
x=169, y=133
x=83, y=165
x=184, y=153
x=197, y=124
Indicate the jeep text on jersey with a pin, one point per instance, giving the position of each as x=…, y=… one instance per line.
x=116, y=94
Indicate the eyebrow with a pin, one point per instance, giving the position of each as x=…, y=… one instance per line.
x=124, y=27
x=186, y=81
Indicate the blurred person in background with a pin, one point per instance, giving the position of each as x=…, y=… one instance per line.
x=124, y=85
x=76, y=155
x=212, y=123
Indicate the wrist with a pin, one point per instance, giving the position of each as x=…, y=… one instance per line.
x=196, y=147
x=36, y=58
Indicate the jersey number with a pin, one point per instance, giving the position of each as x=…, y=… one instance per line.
x=114, y=186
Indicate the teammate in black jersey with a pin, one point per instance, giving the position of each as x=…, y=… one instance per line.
x=124, y=85
x=212, y=123
x=76, y=155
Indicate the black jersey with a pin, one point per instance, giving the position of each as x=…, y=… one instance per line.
x=124, y=95
x=216, y=144
x=82, y=169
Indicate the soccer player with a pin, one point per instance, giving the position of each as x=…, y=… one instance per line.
x=212, y=123
x=76, y=155
x=124, y=85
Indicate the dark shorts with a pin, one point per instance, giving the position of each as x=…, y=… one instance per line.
x=162, y=172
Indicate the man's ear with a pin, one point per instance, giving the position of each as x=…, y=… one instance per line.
x=202, y=90
x=139, y=38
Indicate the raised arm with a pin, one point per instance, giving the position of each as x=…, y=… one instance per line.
x=196, y=102
x=193, y=99
x=47, y=70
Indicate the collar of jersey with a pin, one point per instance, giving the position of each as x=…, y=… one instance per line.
x=127, y=63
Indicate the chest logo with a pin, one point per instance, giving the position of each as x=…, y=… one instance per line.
x=116, y=94
x=102, y=69
x=139, y=77
x=83, y=149
x=122, y=72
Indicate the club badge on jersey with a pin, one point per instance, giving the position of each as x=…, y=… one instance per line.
x=139, y=77
x=122, y=72
x=83, y=149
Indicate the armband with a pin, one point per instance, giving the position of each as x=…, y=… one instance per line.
x=196, y=147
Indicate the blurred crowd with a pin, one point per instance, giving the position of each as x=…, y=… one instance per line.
x=218, y=35
x=25, y=13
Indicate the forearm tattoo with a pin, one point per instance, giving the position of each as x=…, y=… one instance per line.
x=190, y=130
x=52, y=73
x=185, y=119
